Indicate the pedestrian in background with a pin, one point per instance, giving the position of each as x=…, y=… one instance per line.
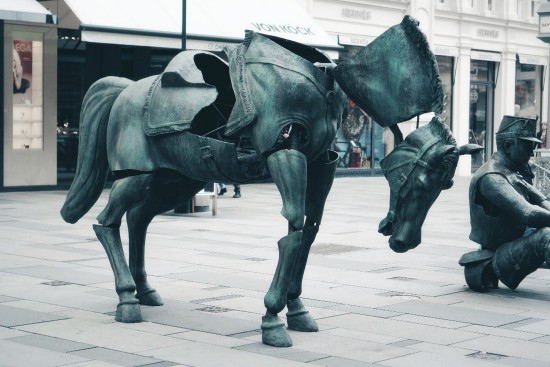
x=236, y=190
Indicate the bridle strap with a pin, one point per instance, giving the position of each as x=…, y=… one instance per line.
x=418, y=156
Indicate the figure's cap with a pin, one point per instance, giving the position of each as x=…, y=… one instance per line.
x=519, y=127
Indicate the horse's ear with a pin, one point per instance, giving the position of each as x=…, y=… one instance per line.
x=447, y=149
x=470, y=149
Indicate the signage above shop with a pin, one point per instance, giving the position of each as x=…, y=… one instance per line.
x=488, y=33
x=544, y=22
x=352, y=40
x=485, y=56
x=532, y=59
x=445, y=51
x=356, y=14
x=158, y=23
x=544, y=25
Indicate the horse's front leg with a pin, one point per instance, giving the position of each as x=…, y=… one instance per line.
x=320, y=176
x=288, y=169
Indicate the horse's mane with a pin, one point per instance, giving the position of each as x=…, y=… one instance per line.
x=398, y=165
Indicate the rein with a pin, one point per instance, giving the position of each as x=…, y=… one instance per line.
x=416, y=160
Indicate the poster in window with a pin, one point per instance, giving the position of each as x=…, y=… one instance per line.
x=22, y=71
x=28, y=127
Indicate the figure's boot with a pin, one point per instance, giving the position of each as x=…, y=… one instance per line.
x=128, y=308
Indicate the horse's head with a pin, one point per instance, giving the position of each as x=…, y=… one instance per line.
x=417, y=170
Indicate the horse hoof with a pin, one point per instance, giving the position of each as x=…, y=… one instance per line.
x=150, y=298
x=298, y=318
x=303, y=322
x=128, y=312
x=274, y=332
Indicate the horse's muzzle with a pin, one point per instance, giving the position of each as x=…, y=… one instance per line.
x=400, y=246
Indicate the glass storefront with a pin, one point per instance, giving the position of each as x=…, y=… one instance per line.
x=360, y=141
x=446, y=72
x=28, y=104
x=481, y=109
x=81, y=64
x=528, y=90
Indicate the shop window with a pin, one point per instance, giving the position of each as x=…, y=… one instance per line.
x=482, y=75
x=527, y=90
x=446, y=67
x=28, y=121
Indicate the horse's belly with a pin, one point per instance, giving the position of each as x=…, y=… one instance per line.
x=203, y=158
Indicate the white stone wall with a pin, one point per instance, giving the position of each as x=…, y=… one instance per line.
x=454, y=28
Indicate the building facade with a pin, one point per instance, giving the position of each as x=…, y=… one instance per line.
x=28, y=95
x=490, y=61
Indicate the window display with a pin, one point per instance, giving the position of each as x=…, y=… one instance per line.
x=28, y=124
x=446, y=70
x=528, y=91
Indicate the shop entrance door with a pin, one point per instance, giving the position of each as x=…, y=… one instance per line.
x=481, y=110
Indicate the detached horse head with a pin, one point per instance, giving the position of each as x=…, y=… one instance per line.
x=417, y=171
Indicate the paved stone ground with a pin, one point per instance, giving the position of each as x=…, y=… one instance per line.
x=374, y=307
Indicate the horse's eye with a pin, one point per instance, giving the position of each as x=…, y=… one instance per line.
x=422, y=179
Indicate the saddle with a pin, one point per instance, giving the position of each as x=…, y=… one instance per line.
x=191, y=82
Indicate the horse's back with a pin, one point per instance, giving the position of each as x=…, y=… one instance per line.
x=127, y=144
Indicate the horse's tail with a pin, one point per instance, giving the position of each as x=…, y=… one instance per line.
x=92, y=164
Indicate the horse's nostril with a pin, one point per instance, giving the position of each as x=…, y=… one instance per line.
x=385, y=227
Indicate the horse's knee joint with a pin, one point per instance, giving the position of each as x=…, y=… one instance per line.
x=295, y=221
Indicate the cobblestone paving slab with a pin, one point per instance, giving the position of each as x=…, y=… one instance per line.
x=20, y=355
x=12, y=316
x=374, y=307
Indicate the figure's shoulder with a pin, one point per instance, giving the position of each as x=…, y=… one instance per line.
x=490, y=174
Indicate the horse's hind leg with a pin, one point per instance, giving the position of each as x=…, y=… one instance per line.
x=124, y=194
x=320, y=175
x=165, y=192
x=288, y=168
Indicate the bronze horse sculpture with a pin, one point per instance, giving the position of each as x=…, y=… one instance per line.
x=165, y=136
x=417, y=170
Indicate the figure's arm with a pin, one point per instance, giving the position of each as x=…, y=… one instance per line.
x=545, y=204
x=498, y=191
x=536, y=197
